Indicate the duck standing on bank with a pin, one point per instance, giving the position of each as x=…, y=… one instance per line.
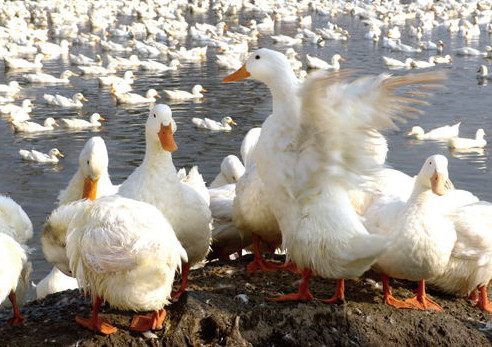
x=156, y=182
x=309, y=155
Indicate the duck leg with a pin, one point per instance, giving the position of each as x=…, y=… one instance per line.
x=303, y=293
x=184, y=282
x=152, y=321
x=18, y=318
x=96, y=323
x=483, y=300
x=339, y=297
x=259, y=263
x=422, y=301
x=389, y=299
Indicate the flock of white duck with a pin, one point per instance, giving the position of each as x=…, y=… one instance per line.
x=312, y=181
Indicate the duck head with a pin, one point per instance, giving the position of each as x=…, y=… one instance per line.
x=93, y=163
x=161, y=122
x=434, y=174
x=263, y=65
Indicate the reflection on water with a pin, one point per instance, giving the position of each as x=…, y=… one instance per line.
x=35, y=186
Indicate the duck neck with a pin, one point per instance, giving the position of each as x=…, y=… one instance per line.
x=284, y=96
x=156, y=156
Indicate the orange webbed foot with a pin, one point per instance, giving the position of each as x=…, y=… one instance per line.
x=152, y=321
x=391, y=301
x=100, y=325
x=333, y=300
x=17, y=320
x=261, y=265
x=424, y=303
x=299, y=296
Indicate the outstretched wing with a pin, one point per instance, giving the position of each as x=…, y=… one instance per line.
x=339, y=134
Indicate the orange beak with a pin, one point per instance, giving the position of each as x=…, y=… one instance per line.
x=438, y=184
x=90, y=189
x=167, y=139
x=342, y=59
x=240, y=74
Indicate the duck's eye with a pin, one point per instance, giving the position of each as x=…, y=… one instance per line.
x=257, y=57
x=154, y=115
x=87, y=162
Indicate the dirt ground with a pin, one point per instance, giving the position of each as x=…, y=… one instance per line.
x=225, y=306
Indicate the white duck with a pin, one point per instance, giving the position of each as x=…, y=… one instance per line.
x=321, y=232
x=231, y=170
x=56, y=281
x=50, y=79
x=63, y=101
x=175, y=94
x=483, y=73
x=14, y=275
x=135, y=99
x=81, y=59
x=317, y=63
x=14, y=221
x=18, y=63
x=155, y=181
x=472, y=51
x=470, y=265
x=458, y=143
x=11, y=108
x=395, y=63
x=116, y=242
x=32, y=127
x=91, y=181
x=111, y=80
x=423, y=64
x=210, y=124
x=94, y=70
x=94, y=121
x=423, y=236
x=440, y=133
x=429, y=45
x=250, y=214
x=40, y=157
x=11, y=88
x=152, y=65
x=447, y=59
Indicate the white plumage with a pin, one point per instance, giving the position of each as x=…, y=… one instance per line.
x=91, y=181
x=125, y=252
x=210, y=124
x=14, y=275
x=63, y=101
x=312, y=150
x=94, y=121
x=32, y=127
x=133, y=98
x=14, y=221
x=424, y=236
x=470, y=264
x=196, y=92
x=231, y=170
x=155, y=181
x=440, y=133
x=43, y=78
x=465, y=143
x=40, y=157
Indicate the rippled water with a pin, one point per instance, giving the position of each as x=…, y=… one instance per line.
x=36, y=186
